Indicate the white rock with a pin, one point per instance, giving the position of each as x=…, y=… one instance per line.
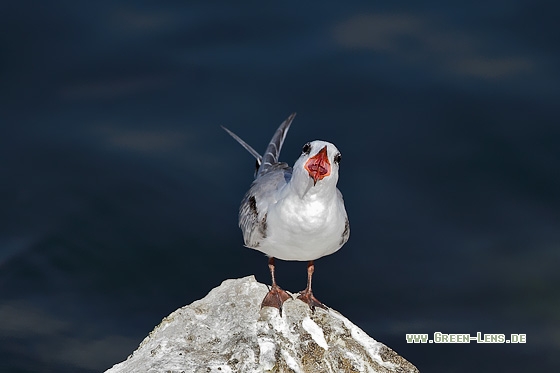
x=228, y=332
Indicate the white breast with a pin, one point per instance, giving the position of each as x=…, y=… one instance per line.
x=304, y=230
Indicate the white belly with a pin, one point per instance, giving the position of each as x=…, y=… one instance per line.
x=298, y=230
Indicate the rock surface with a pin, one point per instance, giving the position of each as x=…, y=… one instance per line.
x=228, y=332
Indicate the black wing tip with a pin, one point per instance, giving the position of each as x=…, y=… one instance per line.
x=228, y=130
x=291, y=117
x=288, y=122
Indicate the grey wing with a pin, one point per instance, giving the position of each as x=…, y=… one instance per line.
x=270, y=157
x=254, y=207
x=248, y=147
x=269, y=161
x=251, y=222
x=346, y=232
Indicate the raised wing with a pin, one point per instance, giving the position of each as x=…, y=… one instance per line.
x=272, y=152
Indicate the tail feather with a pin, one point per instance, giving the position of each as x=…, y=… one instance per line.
x=275, y=145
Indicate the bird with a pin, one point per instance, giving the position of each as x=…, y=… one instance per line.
x=294, y=213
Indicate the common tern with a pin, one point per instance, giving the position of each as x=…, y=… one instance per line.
x=294, y=214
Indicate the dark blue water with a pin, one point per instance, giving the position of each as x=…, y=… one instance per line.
x=119, y=190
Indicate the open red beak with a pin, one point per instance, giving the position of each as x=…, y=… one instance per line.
x=318, y=166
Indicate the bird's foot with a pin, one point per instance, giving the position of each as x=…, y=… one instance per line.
x=307, y=297
x=275, y=298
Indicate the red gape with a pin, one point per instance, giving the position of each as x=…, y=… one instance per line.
x=319, y=165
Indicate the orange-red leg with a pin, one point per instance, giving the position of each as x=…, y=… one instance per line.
x=307, y=294
x=276, y=296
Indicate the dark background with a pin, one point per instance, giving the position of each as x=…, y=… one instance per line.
x=119, y=190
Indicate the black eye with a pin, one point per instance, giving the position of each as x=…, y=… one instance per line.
x=306, y=148
x=337, y=158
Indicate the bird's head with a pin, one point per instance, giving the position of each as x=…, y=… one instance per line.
x=317, y=165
